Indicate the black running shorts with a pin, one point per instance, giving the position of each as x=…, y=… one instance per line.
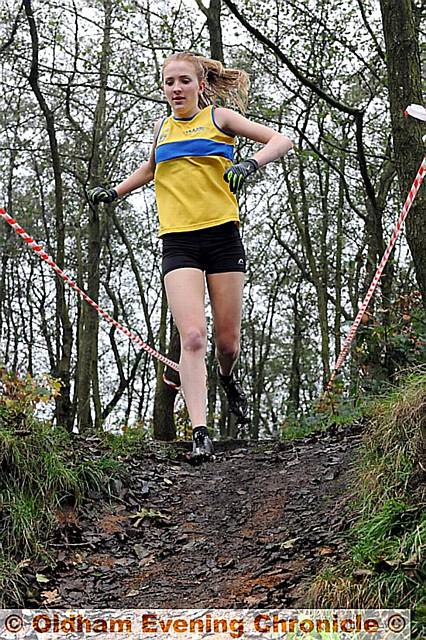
x=213, y=250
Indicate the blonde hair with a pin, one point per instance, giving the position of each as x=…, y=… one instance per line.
x=229, y=87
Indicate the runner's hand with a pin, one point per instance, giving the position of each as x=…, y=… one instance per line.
x=100, y=194
x=238, y=173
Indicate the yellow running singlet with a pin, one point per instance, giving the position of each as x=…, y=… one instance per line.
x=191, y=157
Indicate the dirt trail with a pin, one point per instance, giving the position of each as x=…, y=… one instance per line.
x=248, y=530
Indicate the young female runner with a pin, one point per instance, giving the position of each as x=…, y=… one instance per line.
x=196, y=180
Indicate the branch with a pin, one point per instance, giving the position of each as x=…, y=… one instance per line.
x=357, y=113
x=370, y=31
x=13, y=33
x=202, y=8
x=359, y=124
x=352, y=111
x=336, y=169
x=301, y=266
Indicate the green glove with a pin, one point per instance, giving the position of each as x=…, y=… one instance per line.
x=238, y=173
x=100, y=194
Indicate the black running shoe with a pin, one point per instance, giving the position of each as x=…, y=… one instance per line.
x=236, y=397
x=202, y=446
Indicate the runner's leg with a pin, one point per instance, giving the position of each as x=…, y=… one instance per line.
x=185, y=291
x=226, y=293
x=226, y=296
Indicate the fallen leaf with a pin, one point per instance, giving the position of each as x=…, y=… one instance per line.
x=411, y=562
x=332, y=475
x=78, y=558
x=101, y=560
x=142, y=552
x=145, y=489
x=51, y=597
x=67, y=517
x=151, y=514
x=386, y=565
x=228, y=564
x=288, y=544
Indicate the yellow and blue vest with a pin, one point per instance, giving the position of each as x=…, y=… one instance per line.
x=191, y=157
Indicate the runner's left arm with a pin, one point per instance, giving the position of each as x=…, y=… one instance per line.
x=275, y=144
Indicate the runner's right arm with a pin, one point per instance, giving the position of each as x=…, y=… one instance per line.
x=142, y=176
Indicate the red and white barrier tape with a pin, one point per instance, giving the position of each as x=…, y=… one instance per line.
x=352, y=331
x=39, y=250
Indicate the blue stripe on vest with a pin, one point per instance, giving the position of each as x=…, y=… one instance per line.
x=199, y=147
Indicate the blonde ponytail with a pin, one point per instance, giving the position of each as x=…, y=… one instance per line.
x=224, y=87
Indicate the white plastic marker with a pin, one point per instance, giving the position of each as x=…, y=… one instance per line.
x=39, y=250
x=419, y=112
x=416, y=111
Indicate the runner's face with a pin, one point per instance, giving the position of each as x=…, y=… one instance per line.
x=182, y=88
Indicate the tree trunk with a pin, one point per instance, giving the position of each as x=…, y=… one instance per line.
x=214, y=26
x=213, y=385
x=215, y=30
x=295, y=383
x=8, y=233
x=304, y=226
x=339, y=255
x=63, y=410
x=404, y=86
x=164, y=423
x=89, y=329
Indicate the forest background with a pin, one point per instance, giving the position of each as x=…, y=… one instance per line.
x=81, y=89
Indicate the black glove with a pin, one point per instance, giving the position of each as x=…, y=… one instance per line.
x=100, y=194
x=238, y=173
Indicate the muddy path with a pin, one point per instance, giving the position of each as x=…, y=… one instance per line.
x=248, y=530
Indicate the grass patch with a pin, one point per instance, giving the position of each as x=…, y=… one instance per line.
x=45, y=468
x=386, y=566
x=40, y=473
x=134, y=442
x=129, y=443
x=331, y=411
x=41, y=470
